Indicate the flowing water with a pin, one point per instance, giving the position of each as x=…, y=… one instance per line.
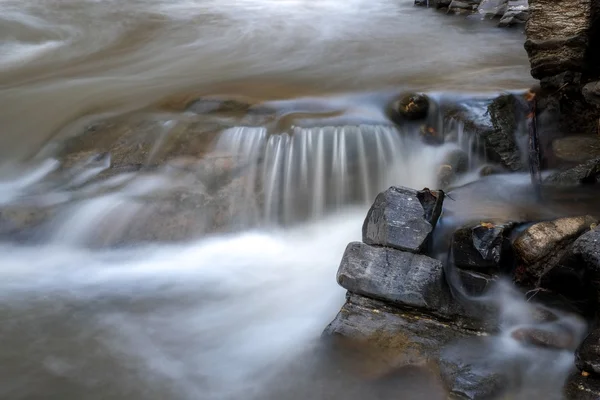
x=118, y=292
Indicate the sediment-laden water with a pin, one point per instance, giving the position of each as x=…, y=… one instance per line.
x=173, y=253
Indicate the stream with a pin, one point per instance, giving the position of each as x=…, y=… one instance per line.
x=130, y=288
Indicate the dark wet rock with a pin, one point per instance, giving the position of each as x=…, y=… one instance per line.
x=553, y=337
x=580, y=387
x=483, y=248
x=492, y=8
x=540, y=247
x=433, y=3
x=469, y=372
x=445, y=176
x=405, y=337
x=587, y=356
x=496, y=125
x=583, y=174
x=454, y=163
x=475, y=283
x=403, y=218
x=488, y=170
x=405, y=280
x=413, y=106
x=591, y=93
x=464, y=5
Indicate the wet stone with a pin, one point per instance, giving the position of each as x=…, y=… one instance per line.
x=587, y=356
x=412, y=106
x=475, y=283
x=469, y=372
x=403, y=218
x=483, y=248
x=406, y=337
x=554, y=338
x=540, y=247
x=583, y=174
x=579, y=387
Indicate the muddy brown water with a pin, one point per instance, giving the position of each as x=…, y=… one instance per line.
x=235, y=315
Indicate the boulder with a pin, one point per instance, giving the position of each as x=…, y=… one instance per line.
x=405, y=280
x=583, y=174
x=580, y=387
x=587, y=356
x=405, y=337
x=475, y=283
x=412, y=106
x=484, y=248
x=540, y=247
x=403, y=218
x=577, y=148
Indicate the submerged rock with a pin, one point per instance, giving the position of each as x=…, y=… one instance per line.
x=554, y=338
x=541, y=246
x=406, y=337
x=403, y=218
x=469, y=372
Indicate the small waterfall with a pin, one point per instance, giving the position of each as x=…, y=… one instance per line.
x=306, y=172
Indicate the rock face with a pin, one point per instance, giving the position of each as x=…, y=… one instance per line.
x=562, y=40
x=579, y=387
x=403, y=219
x=496, y=124
x=542, y=245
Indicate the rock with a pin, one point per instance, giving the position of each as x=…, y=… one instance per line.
x=433, y=3
x=541, y=246
x=468, y=5
x=494, y=8
x=591, y=93
x=22, y=222
x=495, y=124
x=554, y=338
x=557, y=36
x=583, y=174
x=475, y=283
x=562, y=38
x=517, y=12
x=483, y=248
x=578, y=148
x=405, y=337
x=405, y=280
x=394, y=276
x=469, y=372
x=579, y=387
x=587, y=356
x=413, y=106
x=403, y=218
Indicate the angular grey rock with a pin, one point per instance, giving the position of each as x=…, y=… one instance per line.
x=517, y=12
x=407, y=338
x=403, y=279
x=492, y=7
x=403, y=218
x=393, y=276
